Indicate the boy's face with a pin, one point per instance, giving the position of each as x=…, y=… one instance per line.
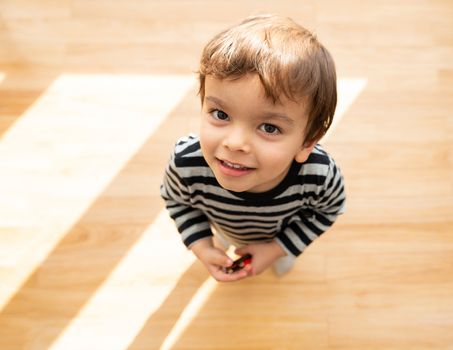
x=249, y=142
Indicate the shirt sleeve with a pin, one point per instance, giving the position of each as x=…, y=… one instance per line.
x=191, y=222
x=309, y=223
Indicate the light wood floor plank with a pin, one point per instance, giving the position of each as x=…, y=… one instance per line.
x=93, y=94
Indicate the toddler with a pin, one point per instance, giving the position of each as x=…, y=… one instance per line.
x=255, y=176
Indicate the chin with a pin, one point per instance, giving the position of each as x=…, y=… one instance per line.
x=232, y=187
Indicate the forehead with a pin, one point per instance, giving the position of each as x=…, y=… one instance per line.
x=249, y=83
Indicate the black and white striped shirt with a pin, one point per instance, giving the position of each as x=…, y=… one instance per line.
x=294, y=213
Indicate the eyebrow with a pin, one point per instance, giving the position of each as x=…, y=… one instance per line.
x=282, y=117
x=215, y=100
x=264, y=115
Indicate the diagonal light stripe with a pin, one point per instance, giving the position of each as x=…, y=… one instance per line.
x=189, y=313
x=348, y=91
x=133, y=291
x=60, y=155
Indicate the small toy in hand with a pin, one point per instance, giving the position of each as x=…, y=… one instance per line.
x=239, y=264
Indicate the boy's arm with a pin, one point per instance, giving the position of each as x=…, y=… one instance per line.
x=191, y=222
x=308, y=224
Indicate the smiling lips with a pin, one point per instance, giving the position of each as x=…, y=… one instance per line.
x=233, y=169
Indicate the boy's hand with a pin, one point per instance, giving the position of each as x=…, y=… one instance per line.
x=264, y=255
x=216, y=260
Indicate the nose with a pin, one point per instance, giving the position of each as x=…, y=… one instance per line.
x=237, y=140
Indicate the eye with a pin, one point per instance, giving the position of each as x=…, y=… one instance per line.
x=219, y=115
x=270, y=129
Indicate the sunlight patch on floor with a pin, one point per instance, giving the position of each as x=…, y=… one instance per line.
x=63, y=152
x=348, y=90
x=134, y=290
x=190, y=311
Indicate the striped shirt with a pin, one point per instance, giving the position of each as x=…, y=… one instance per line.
x=294, y=213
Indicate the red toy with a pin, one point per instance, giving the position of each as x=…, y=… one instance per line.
x=239, y=264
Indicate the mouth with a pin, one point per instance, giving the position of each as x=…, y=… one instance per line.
x=233, y=169
x=234, y=166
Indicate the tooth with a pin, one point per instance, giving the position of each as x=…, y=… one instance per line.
x=234, y=166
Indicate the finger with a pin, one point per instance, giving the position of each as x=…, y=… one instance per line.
x=235, y=276
x=221, y=276
x=249, y=269
x=220, y=258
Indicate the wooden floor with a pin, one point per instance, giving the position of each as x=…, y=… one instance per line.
x=92, y=96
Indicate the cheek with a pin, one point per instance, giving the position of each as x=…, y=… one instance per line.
x=207, y=140
x=275, y=156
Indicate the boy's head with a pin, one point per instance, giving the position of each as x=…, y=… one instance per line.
x=288, y=59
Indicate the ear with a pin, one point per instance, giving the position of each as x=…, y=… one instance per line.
x=305, y=151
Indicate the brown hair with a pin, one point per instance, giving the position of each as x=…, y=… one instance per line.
x=289, y=60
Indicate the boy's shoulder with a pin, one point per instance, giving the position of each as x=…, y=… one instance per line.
x=318, y=168
x=187, y=144
x=318, y=160
x=187, y=152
